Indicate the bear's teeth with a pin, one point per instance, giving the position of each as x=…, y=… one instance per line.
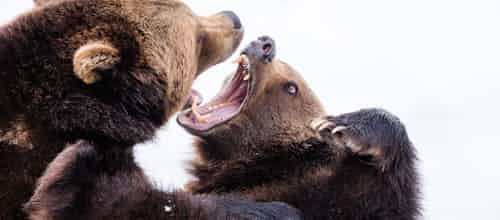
x=200, y=118
x=239, y=60
x=197, y=116
x=245, y=59
x=218, y=106
x=242, y=60
x=247, y=77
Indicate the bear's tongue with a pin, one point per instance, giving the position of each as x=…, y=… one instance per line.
x=221, y=106
x=224, y=106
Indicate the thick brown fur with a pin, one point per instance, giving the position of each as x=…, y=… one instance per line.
x=359, y=165
x=85, y=182
x=325, y=178
x=110, y=71
x=280, y=147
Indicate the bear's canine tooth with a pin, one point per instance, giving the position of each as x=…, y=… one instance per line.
x=238, y=60
x=245, y=59
x=242, y=60
x=197, y=116
x=247, y=77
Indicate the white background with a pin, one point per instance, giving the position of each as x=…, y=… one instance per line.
x=434, y=63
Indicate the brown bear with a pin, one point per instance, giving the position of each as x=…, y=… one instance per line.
x=109, y=71
x=255, y=142
x=265, y=137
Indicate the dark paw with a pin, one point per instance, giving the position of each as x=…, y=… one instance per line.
x=369, y=134
x=323, y=126
x=333, y=133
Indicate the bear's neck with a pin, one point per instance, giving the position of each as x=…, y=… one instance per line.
x=314, y=178
x=270, y=164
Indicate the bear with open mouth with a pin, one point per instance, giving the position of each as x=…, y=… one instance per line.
x=93, y=180
x=265, y=137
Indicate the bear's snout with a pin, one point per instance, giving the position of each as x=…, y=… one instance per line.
x=264, y=49
x=234, y=18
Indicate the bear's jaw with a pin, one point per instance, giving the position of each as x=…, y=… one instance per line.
x=226, y=105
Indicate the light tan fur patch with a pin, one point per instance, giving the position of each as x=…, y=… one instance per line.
x=93, y=57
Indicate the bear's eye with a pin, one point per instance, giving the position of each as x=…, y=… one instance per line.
x=291, y=88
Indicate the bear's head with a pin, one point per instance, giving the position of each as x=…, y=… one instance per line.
x=108, y=70
x=265, y=103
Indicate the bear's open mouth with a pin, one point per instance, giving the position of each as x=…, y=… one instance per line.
x=226, y=104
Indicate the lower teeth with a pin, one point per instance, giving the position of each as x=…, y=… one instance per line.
x=197, y=116
x=247, y=77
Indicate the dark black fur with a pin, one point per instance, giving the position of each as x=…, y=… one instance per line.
x=45, y=103
x=40, y=88
x=85, y=182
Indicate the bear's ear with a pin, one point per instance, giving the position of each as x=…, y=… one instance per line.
x=93, y=59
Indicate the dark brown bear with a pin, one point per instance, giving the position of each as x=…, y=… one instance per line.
x=256, y=142
x=110, y=71
x=264, y=138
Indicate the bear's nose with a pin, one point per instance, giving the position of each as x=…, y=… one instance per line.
x=264, y=48
x=268, y=48
x=236, y=20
